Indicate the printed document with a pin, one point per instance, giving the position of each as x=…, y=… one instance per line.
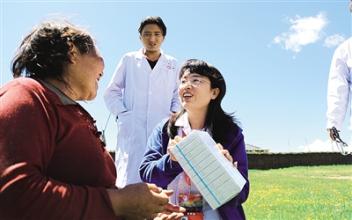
x=214, y=176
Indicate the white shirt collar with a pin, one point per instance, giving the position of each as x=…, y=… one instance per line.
x=183, y=123
x=185, y=127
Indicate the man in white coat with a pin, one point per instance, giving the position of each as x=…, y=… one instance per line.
x=142, y=92
x=339, y=86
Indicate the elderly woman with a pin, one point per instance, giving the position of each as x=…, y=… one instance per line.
x=201, y=90
x=53, y=164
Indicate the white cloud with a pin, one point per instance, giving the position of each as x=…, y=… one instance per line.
x=319, y=146
x=333, y=40
x=303, y=31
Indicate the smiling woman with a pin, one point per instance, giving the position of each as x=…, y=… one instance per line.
x=65, y=58
x=201, y=91
x=53, y=164
x=86, y=72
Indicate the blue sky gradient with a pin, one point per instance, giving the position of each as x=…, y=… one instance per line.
x=274, y=55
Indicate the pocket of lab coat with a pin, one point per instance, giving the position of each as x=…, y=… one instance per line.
x=124, y=124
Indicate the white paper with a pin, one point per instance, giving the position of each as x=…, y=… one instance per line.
x=214, y=176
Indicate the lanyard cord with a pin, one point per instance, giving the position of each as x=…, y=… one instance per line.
x=103, y=132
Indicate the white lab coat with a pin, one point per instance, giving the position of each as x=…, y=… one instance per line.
x=140, y=97
x=339, y=85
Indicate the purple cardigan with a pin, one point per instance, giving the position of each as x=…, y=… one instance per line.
x=157, y=167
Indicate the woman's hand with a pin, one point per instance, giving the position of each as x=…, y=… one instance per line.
x=174, y=213
x=227, y=154
x=172, y=216
x=172, y=145
x=141, y=200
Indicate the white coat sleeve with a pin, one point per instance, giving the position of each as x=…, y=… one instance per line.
x=114, y=93
x=175, y=102
x=338, y=88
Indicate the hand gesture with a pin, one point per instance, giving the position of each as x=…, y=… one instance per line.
x=141, y=200
x=172, y=145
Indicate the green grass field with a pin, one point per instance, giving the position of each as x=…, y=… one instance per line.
x=317, y=192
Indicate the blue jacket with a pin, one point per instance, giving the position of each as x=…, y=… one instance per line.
x=158, y=168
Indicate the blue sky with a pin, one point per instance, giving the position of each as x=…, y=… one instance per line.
x=274, y=55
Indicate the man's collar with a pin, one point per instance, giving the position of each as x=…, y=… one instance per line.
x=141, y=54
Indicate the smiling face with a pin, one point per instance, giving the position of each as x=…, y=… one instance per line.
x=195, y=92
x=152, y=37
x=84, y=74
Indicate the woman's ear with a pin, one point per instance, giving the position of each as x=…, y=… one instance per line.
x=72, y=53
x=215, y=93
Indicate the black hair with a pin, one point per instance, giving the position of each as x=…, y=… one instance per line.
x=217, y=120
x=153, y=20
x=44, y=52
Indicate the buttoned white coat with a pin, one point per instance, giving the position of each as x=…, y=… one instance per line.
x=140, y=97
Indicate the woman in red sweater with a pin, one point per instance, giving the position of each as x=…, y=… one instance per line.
x=53, y=164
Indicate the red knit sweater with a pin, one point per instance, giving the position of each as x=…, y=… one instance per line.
x=52, y=163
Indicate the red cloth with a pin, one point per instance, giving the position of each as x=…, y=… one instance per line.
x=52, y=163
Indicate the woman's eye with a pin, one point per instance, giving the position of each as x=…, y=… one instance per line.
x=196, y=81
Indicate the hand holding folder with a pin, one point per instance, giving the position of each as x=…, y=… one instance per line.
x=214, y=176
